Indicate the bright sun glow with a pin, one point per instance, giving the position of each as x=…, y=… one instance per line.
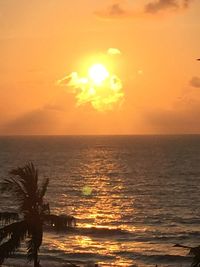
x=98, y=73
x=100, y=86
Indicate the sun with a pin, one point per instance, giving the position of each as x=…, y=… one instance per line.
x=98, y=74
x=96, y=82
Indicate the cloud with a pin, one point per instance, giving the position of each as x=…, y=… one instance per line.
x=55, y=107
x=186, y=3
x=118, y=10
x=38, y=121
x=195, y=82
x=113, y=10
x=113, y=51
x=102, y=97
x=162, y=5
x=182, y=118
x=100, y=88
x=156, y=6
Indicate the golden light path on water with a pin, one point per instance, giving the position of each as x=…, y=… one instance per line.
x=101, y=198
x=100, y=205
x=96, y=83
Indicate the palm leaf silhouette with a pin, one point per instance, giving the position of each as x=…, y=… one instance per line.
x=195, y=251
x=23, y=184
x=16, y=233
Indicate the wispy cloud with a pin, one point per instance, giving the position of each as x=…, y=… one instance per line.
x=114, y=10
x=186, y=3
x=163, y=5
x=113, y=51
x=156, y=6
x=184, y=118
x=195, y=82
x=38, y=121
x=120, y=10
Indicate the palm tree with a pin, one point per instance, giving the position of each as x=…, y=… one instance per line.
x=26, y=190
x=194, y=251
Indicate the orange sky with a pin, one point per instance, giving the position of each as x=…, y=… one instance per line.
x=43, y=41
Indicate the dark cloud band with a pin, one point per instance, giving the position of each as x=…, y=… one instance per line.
x=152, y=7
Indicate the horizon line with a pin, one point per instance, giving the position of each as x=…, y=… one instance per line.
x=82, y=135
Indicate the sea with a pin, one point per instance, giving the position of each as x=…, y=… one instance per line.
x=134, y=197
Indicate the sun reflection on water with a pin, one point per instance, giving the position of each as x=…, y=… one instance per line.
x=101, y=203
x=104, y=205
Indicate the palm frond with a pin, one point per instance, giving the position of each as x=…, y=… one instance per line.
x=8, y=217
x=12, y=185
x=14, y=233
x=33, y=244
x=28, y=177
x=23, y=183
x=20, y=227
x=31, y=251
x=18, y=191
x=8, y=248
x=43, y=188
x=195, y=251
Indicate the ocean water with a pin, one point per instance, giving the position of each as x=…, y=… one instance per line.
x=143, y=196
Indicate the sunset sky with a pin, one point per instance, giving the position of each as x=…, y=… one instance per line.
x=42, y=41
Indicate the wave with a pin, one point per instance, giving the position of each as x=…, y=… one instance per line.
x=62, y=259
x=83, y=258
x=155, y=258
x=93, y=231
x=128, y=235
x=102, y=231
